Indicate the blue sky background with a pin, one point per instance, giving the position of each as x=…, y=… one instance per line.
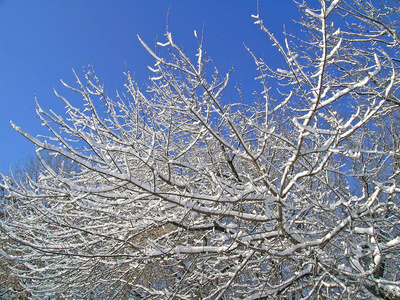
x=42, y=40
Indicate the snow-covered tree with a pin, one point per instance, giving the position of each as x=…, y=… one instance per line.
x=11, y=287
x=182, y=195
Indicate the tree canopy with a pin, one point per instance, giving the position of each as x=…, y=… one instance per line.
x=181, y=194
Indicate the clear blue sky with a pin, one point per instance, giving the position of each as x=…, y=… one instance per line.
x=42, y=40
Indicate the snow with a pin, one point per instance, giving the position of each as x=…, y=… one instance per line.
x=179, y=180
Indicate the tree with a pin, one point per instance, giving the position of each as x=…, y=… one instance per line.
x=12, y=287
x=179, y=195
